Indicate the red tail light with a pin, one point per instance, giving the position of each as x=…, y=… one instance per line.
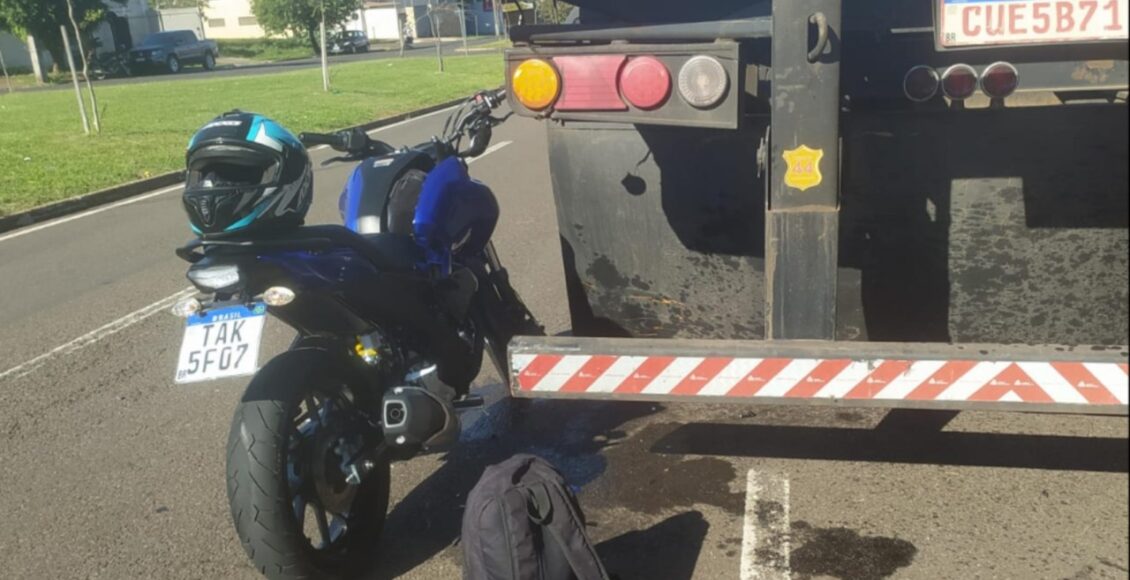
x=959, y=81
x=645, y=82
x=999, y=80
x=921, y=83
x=588, y=83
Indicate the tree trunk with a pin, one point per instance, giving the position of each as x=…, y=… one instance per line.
x=312, y=36
x=85, y=68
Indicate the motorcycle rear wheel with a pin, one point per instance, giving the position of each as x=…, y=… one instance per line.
x=289, y=520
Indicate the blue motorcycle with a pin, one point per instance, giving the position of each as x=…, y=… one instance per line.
x=393, y=311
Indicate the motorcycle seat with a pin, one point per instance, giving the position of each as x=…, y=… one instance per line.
x=388, y=252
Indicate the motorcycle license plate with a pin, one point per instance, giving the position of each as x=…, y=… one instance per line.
x=221, y=343
x=988, y=22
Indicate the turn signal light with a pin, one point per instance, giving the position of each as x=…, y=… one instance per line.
x=186, y=308
x=999, y=80
x=959, y=82
x=278, y=296
x=535, y=84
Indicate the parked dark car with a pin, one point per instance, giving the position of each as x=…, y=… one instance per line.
x=170, y=50
x=349, y=41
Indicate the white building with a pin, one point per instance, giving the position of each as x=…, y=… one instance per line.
x=231, y=19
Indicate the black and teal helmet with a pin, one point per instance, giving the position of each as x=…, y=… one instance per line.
x=245, y=173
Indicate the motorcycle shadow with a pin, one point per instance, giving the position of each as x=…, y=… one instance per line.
x=570, y=434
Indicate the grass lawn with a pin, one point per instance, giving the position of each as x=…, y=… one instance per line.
x=265, y=49
x=44, y=156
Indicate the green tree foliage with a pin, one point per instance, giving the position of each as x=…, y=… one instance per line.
x=159, y=4
x=301, y=18
x=42, y=19
x=548, y=15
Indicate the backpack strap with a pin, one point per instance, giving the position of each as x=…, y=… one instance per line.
x=568, y=533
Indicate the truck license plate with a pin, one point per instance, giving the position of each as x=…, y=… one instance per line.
x=988, y=22
x=221, y=343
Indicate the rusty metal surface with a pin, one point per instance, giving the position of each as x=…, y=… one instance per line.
x=989, y=226
x=662, y=231
x=963, y=226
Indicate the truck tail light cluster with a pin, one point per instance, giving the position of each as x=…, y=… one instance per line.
x=999, y=80
x=960, y=81
x=703, y=81
x=612, y=82
x=535, y=84
x=921, y=83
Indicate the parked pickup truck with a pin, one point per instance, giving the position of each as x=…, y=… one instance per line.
x=171, y=50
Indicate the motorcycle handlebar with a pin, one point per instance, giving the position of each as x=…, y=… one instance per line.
x=333, y=140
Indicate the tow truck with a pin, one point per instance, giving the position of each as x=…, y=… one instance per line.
x=907, y=204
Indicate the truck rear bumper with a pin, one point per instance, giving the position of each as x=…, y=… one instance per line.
x=1059, y=379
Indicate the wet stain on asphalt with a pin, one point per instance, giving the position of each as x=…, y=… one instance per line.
x=845, y=554
x=651, y=483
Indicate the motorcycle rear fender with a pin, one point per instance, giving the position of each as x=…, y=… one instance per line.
x=315, y=360
x=364, y=201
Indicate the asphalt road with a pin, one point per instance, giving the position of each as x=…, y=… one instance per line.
x=421, y=48
x=112, y=471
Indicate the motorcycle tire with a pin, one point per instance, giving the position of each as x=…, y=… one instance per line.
x=259, y=475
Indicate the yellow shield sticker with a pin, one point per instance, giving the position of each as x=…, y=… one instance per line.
x=803, y=167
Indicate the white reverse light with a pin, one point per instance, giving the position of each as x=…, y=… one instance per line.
x=278, y=296
x=703, y=81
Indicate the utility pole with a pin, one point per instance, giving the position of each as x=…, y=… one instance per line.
x=4, y=66
x=400, y=24
x=325, y=62
x=74, y=77
x=85, y=70
x=463, y=27
x=495, y=9
x=435, y=33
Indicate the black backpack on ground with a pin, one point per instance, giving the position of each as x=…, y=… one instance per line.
x=522, y=523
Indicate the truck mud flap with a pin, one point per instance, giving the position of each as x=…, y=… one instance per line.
x=1081, y=379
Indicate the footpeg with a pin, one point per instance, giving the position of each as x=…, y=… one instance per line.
x=467, y=402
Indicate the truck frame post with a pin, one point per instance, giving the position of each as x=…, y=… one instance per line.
x=802, y=214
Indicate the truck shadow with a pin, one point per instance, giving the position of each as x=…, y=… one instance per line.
x=1052, y=452
x=569, y=434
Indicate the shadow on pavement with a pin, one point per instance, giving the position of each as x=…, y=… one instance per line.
x=666, y=550
x=569, y=434
x=1102, y=454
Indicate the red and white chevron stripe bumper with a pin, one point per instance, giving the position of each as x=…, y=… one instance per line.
x=919, y=376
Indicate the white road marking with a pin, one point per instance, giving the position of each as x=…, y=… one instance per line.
x=489, y=150
x=97, y=334
x=87, y=213
x=406, y=121
x=52, y=223
x=765, y=535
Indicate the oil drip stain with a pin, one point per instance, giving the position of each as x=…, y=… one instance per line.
x=647, y=482
x=843, y=553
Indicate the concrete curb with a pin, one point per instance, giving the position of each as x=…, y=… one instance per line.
x=118, y=192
